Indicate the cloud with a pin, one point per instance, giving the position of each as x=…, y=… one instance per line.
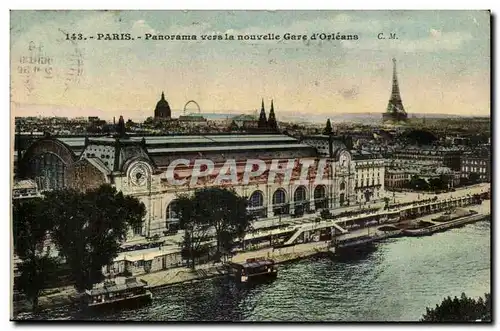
x=435, y=33
x=140, y=27
x=436, y=41
x=349, y=94
x=311, y=75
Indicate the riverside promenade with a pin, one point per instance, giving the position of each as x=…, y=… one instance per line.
x=65, y=295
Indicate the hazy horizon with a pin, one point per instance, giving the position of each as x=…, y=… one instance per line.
x=443, y=63
x=283, y=116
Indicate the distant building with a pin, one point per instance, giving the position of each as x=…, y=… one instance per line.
x=218, y=118
x=444, y=156
x=398, y=174
x=162, y=110
x=265, y=123
x=395, y=111
x=478, y=162
x=262, y=123
x=271, y=121
x=453, y=175
x=25, y=189
x=245, y=121
x=396, y=178
x=370, y=176
x=193, y=119
x=456, y=141
x=96, y=121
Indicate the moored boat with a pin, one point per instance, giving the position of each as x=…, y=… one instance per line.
x=354, y=245
x=253, y=270
x=355, y=242
x=120, y=293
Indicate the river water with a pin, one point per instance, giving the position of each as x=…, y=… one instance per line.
x=395, y=282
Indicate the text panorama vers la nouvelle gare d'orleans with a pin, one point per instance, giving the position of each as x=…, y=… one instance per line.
x=221, y=37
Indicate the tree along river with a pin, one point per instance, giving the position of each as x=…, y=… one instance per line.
x=394, y=282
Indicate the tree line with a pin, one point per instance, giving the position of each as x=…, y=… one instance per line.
x=463, y=309
x=88, y=228
x=212, y=214
x=439, y=183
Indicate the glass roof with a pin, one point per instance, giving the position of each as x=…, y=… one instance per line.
x=219, y=148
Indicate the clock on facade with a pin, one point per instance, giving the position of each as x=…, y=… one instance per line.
x=139, y=174
x=344, y=159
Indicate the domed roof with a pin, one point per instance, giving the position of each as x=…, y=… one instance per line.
x=443, y=171
x=162, y=103
x=162, y=109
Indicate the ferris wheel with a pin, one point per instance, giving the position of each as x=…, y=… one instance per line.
x=195, y=103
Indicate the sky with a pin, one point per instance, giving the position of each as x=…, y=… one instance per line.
x=443, y=62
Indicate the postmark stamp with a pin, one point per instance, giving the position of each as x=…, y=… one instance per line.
x=36, y=63
x=74, y=63
x=39, y=66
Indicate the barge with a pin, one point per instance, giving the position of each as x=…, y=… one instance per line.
x=129, y=292
x=457, y=222
x=253, y=270
x=361, y=244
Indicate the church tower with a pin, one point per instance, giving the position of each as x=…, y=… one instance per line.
x=162, y=110
x=395, y=110
x=262, y=118
x=120, y=129
x=271, y=122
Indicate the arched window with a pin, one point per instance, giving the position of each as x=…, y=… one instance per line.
x=171, y=212
x=319, y=192
x=280, y=206
x=300, y=194
x=256, y=204
x=256, y=200
x=342, y=186
x=172, y=218
x=49, y=171
x=301, y=205
x=342, y=198
x=320, y=200
x=279, y=197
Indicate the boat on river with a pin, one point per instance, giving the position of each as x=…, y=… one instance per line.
x=253, y=270
x=354, y=245
x=119, y=293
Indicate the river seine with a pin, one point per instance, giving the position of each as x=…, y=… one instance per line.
x=395, y=282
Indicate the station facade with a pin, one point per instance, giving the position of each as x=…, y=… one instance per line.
x=139, y=166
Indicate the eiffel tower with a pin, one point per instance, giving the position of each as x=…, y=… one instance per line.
x=395, y=111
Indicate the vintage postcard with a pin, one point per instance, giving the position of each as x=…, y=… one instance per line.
x=262, y=166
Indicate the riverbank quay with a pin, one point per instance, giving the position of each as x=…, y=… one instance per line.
x=300, y=251
x=375, y=234
x=395, y=198
x=471, y=215
x=210, y=270
x=57, y=297
x=445, y=226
